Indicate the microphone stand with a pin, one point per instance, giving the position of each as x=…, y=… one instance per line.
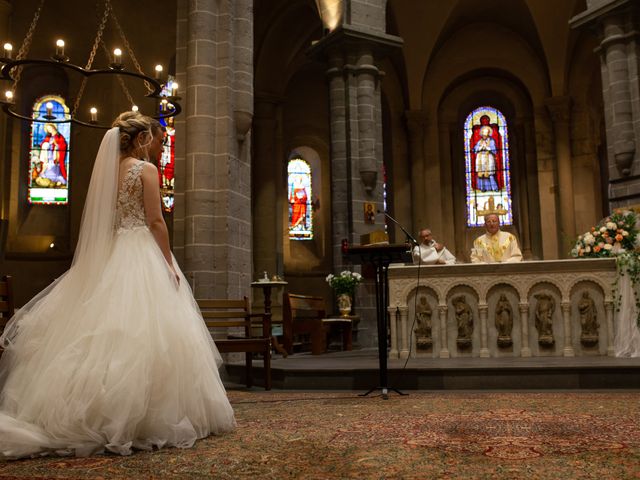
x=409, y=239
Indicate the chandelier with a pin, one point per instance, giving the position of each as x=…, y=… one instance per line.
x=165, y=94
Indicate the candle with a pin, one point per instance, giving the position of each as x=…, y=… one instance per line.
x=134, y=108
x=174, y=89
x=94, y=114
x=163, y=105
x=8, y=95
x=49, y=106
x=60, y=48
x=158, y=71
x=7, y=50
x=117, y=56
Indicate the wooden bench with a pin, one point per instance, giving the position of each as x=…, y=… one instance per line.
x=302, y=316
x=222, y=315
x=6, y=303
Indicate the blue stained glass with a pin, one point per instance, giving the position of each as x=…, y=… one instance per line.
x=48, y=181
x=487, y=168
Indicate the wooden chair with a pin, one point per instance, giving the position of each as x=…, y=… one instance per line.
x=222, y=315
x=303, y=315
x=6, y=303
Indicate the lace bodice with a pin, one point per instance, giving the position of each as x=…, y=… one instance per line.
x=130, y=204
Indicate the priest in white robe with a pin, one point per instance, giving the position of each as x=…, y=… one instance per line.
x=430, y=252
x=495, y=246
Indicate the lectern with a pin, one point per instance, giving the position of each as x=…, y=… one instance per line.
x=380, y=256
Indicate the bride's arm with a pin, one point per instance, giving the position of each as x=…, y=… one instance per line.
x=153, y=211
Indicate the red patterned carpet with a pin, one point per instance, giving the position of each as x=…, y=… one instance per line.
x=290, y=435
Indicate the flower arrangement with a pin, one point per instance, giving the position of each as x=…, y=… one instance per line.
x=345, y=282
x=615, y=235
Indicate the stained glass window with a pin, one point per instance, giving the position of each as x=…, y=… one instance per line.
x=299, y=194
x=488, y=176
x=49, y=155
x=166, y=165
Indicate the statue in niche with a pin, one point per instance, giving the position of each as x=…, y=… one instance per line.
x=504, y=321
x=588, y=321
x=423, y=330
x=464, y=320
x=544, y=319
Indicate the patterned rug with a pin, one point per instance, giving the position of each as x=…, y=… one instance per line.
x=424, y=435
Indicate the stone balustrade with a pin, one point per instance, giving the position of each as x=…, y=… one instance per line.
x=535, y=308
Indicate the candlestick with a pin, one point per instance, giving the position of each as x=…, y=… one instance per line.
x=117, y=56
x=163, y=105
x=94, y=114
x=7, y=50
x=158, y=71
x=174, y=89
x=60, y=48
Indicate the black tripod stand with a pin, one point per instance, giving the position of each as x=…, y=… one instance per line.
x=380, y=256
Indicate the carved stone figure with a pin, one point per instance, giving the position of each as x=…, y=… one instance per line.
x=588, y=321
x=504, y=321
x=423, y=329
x=544, y=319
x=464, y=320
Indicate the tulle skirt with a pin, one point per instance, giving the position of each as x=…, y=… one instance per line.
x=127, y=363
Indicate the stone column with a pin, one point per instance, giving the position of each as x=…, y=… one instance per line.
x=266, y=208
x=608, y=308
x=444, y=347
x=404, y=330
x=525, y=350
x=483, y=309
x=416, y=126
x=567, y=351
x=560, y=109
x=616, y=24
x=217, y=195
x=393, y=327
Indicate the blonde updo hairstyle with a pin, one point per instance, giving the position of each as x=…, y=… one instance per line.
x=131, y=124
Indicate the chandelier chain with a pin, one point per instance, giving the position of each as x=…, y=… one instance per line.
x=92, y=55
x=26, y=44
x=120, y=80
x=129, y=49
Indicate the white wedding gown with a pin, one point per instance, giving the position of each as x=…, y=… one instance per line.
x=128, y=364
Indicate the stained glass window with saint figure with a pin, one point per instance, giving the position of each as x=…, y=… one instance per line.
x=166, y=165
x=488, y=176
x=299, y=195
x=49, y=155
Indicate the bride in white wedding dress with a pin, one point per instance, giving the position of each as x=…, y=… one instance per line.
x=114, y=354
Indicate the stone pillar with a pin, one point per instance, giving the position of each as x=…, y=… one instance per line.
x=267, y=210
x=393, y=327
x=356, y=131
x=525, y=350
x=444, y=347
x=560, y=109
x=483, y=309
x=404, y=332
x=567, y=351
x=416, y=126
x=523, y=187
x=608, y=308
x=616, y=24
x=217, y=169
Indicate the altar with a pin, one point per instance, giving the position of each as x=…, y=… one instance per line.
x=527, y=309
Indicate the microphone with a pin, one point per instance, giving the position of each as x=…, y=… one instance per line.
x=408, y=235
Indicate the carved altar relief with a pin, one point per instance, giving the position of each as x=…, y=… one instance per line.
x=464, y=322
x=482, y=286
x=545, y=308
x=504, y=321
x=424, y=326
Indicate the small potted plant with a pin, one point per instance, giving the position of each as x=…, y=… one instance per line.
x=344, y=285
